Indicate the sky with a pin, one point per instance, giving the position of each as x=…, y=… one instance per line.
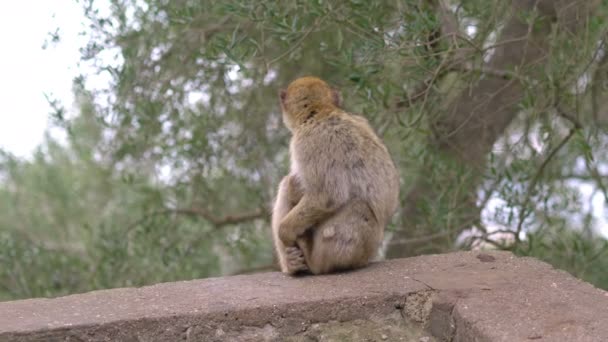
x=27, y=71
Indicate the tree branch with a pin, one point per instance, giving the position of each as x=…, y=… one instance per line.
x=216, y=221
x=223, y=220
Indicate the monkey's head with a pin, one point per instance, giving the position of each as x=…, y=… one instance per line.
x=305, y=99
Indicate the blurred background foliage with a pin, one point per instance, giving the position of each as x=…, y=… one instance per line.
x=494, y=112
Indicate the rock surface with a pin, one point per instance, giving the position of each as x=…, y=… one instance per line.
x=465, y=296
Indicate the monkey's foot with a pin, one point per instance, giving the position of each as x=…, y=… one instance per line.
x=295, y=260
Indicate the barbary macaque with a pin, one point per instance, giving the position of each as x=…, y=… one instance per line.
x=343, y=187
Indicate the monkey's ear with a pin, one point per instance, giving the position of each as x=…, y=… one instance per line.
x=282, y=95
x=337, y=97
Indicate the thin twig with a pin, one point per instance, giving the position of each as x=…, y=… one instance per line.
x=575, y=121
x=297, y=44
x=504, y=74
x=537, y=177
x=593, y=170
x=421, y=91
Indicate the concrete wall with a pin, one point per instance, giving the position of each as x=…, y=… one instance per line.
x=466, y=296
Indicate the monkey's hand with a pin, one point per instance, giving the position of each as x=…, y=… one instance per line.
x=295, y=260
x=304, y=216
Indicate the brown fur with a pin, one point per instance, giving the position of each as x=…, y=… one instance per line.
x=331, y=210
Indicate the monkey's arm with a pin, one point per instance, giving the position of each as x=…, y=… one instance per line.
x=293, y=190
x=310, y=210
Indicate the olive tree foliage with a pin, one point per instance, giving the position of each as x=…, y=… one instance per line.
x=494, y=112
x=70, y=222
x=477, y=101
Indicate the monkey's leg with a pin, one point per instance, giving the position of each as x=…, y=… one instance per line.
x=347, y=240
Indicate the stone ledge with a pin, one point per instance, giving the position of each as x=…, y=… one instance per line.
x=461, y=296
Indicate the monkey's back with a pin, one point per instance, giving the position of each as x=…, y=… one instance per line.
x=345, y=159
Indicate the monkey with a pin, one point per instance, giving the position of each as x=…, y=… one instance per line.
x=331, y=210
